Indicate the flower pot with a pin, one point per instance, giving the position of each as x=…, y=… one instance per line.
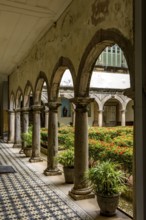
x=69, y=174
x=28, y=151
x=108, y=204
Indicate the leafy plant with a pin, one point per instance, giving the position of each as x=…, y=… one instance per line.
x=106, y=179
x=27, y=137
x=66, y=158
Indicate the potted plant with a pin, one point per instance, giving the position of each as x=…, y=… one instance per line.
x=66, y=158
x=27, y=138
x=107, y=181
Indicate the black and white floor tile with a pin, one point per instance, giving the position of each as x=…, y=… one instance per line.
x=24, y=196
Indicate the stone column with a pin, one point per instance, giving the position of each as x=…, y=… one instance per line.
x=81, y=189
x=73, y=115
x=123, y=117
x=17, y=142
x=95, y=122
x=25, y=124
x=36, y=135
x=11, y=126
x=100, y=118
x=139, y=111
x=52, y=165
x=46, y=118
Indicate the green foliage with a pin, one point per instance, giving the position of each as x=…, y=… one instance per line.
x=27, y=137
x=119, y=149
x=67, y=140
x=66, y=158
x=106, y=178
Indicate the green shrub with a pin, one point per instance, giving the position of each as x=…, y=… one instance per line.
x=66, y=158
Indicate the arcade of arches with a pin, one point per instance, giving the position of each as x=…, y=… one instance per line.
x=74, y=42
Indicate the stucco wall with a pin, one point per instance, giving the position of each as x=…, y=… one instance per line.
x=70, y=35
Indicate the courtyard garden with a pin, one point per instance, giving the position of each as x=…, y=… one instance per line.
x=114, y=143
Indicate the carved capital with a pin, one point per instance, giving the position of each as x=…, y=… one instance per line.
x=82, y=103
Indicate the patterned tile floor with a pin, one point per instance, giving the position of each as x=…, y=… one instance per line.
x=29, y=195
x=23, y=195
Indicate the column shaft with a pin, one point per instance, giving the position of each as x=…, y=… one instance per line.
x=46, y=118
x=17, y=142
x=81, y=189
x=11, y=127
x=123, y=118
x=25, y=124
x=52, y=165
x=36, y=135
x=100, y=118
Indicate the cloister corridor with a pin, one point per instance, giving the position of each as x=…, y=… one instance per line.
x=49, y=194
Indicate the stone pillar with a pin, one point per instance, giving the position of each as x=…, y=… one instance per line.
x=123, y=117
x=140, y=111
x=81, y=189
x=25, y=124
x=73, y=115
x=46, y=118
x=100, y=118
x=17, y=142
x=95, y=122
x=36, y=135
x=52, y=165
x=11, y=126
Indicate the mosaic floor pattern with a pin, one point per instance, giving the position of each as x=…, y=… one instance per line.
x=24, y=196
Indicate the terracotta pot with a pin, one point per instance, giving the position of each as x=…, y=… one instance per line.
x=69, y=174
x=108, y=204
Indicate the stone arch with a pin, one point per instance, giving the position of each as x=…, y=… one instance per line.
x=27, y=92
x=62, y=64
x=12, y=101
x=38, y=87
x=116, y=97
x=130, y=112
x=100, y=40
x=128, y=100
x=98, y=102
x=19, y=96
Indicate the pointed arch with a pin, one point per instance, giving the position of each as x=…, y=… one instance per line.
x=19, y=97
x=12, y=101
x=28, y=91
x=100, y=40
x=41, y=79
x=60, y=67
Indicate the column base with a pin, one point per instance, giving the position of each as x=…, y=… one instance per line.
x=19, y=145
x=80, y=194
x=50, y=172
x=10, y=142
x=35, y=159
x=21, y=151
